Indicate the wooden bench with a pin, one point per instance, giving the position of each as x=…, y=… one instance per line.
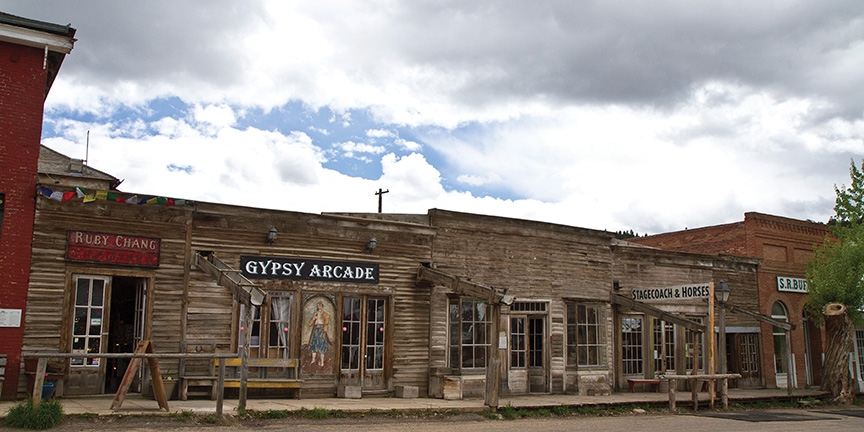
x=273, y=373
x=654, y=383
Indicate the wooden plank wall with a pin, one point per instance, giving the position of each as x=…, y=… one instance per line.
x=236, y=231
x=191, y=312
x=47, y=321
x=640, y=267
x=532, y=260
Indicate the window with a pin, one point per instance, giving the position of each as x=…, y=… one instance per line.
x=376, y=330
x=749, y=352
x=778, y=312
x=351, y=333
x=664, y=346
x=255, y=335
x=631, y=345
x=279, y=337
x=271, y=334
x=375, y=320
x=585, y=337
x=518, y=350
x=692, y=337
x=89, y=311
x=468, y=333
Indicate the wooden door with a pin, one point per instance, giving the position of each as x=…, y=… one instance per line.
x=90, y=306
x=537, y=374
x=374, y=344
x=363, y=356
x=743, y=353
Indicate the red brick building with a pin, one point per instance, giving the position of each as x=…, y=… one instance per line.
x=784, y=246
x=31, y=53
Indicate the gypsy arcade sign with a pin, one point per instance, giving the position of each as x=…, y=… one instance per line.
x=112, y=249
x=256, y=267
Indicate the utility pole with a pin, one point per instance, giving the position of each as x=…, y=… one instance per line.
x=380, y=194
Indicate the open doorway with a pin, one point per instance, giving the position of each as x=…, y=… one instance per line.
x=126, y=328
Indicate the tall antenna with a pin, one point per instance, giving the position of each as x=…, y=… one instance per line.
x=87, y=149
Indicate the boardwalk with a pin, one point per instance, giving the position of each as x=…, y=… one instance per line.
x=136, y=405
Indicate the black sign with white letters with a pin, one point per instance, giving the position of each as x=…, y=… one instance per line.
x=254, y=267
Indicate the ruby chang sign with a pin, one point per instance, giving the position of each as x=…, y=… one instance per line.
x=254, y=267
x=112, y=248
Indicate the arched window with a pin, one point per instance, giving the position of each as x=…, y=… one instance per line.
x=778, y=312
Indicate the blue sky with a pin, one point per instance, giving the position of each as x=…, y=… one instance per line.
x=605, y=115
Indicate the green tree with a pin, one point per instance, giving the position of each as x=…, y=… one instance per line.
x=835, y=283
x=849, y=205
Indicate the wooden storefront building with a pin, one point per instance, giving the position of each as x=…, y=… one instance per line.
x=107, y=274
x=359, y=303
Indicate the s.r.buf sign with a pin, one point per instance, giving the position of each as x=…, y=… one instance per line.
x=254, y=267
x=112, y=248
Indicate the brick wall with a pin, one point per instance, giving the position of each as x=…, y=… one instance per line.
x=22, y=95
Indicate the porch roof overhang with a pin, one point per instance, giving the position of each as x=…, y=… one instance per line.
x=464, y=286
x=758, y=317
x=657, y=312
x=244, y=290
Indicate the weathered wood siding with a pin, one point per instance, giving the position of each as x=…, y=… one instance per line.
x=191, y=313
x=49, y=305
x=235, y=231
x=641, y=267
x=534, y=261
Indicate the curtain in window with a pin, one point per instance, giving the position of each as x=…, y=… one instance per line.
x=280, y=314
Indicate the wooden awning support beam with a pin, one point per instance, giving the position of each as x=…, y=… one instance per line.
x=659, y=313
x=758, y=317
x=463, y=286
x=242, y=288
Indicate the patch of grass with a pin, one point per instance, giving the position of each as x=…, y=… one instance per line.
x=589, y=411
x=314, y=413
x=620, y=409
x=563, y=410
x=542, y=412
x=85, y=416
x=490, y=414
x=24, y=416
x=210, y=419
x=271, y=414
x=510, y=413
x=183, y=416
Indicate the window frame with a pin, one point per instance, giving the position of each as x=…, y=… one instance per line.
x=456, y=329
x=263, y=325
x=579, y=332
x=89, y=308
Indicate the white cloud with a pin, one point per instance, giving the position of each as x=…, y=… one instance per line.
x=618, y=116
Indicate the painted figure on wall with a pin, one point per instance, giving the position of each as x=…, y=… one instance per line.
x=318, y=341
x=317, y=336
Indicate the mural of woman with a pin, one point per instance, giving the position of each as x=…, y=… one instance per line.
x=317, y=350
x=319, y=340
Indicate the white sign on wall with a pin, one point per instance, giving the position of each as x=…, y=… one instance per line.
x=10, y=317
x=790, y=284
x=679, y=292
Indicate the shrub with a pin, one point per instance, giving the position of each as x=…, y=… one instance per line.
x=25, y=416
